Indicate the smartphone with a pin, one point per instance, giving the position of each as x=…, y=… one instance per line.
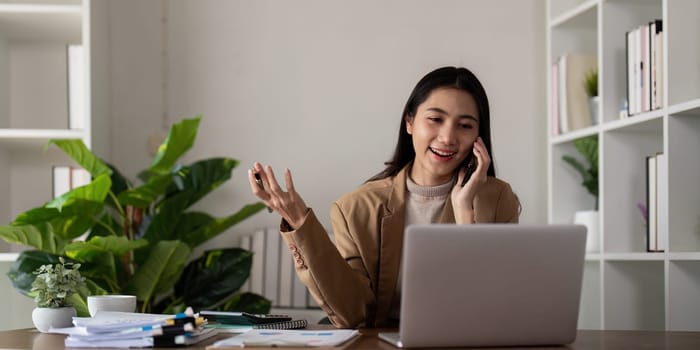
x=470, y=164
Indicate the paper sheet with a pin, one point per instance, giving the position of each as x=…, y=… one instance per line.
x=288, y=338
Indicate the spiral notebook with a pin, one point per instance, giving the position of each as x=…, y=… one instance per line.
x=234, y=328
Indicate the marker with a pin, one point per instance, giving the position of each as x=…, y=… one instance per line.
x=197, y=321
x=161, y=330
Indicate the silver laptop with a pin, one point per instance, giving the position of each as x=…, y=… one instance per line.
x=490, y=285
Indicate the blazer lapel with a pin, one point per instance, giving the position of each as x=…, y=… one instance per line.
x=391, y=246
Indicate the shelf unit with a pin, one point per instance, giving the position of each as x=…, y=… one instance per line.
x=625, y=287
x=34, y=97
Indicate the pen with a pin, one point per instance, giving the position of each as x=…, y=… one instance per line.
x=161, y=330
x=273, y=343
x=258, y=180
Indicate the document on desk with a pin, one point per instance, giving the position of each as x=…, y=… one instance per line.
x=107, y=321
x=286, y=338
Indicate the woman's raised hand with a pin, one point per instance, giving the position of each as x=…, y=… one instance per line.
x=463, y=196
x=288, y=204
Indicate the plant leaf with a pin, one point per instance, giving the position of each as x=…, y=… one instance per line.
x=160, y=271
x=180, y=139
x=203, y=177
x=40, y=236
x=214, y=276
x=197, y=228
x=21, y=272
x=119, y=185
x=86, y=201
x=98, y=246
x=575, y=164
x=108, y=226
x=164, y=222
x=70, y=227
x=36, y=216
x=146, y=194
x=77, y=150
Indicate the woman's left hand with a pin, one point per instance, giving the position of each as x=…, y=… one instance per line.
x=463, y=196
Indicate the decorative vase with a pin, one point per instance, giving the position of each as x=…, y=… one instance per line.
x=589, y=218
x=45, y=318
x=593, y=103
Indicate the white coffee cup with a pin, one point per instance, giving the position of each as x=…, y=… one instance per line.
x=123, y=303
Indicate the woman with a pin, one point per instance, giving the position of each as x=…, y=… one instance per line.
x=444, y=135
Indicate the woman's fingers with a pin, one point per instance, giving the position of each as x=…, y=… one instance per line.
x=255, y=184
x=288, y=180
x=482, y=156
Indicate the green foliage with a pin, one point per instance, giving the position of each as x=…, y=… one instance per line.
x=54, y=284
x=590, y=83
x=588, y=148
x=139, y=237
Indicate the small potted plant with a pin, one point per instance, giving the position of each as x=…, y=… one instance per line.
x=52, y=289
x=590, y=84
x=588, y=148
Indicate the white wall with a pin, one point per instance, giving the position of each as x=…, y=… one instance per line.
x=318, y=86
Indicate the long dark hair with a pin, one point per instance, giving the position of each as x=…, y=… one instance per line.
x=445, y=77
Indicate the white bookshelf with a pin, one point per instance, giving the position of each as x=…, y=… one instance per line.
x=626, y=288
x=34, y=96
x=34, y=35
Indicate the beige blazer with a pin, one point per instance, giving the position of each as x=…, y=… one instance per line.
x=354, y=280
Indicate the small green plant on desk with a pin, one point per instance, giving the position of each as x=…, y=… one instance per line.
x=54, y=285
x=56, y=289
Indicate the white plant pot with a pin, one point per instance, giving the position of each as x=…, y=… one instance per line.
x=593, y=103
x=589, y=218
x=45, y=318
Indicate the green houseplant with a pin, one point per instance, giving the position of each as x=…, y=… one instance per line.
x=140, y=237
x=52, y=289
x=590, y=85
x=588, y=148
x=55, y=284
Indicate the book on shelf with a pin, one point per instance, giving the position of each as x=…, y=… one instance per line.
x=76, y=87
x=556, y=129
x=651, y=204
x=661, y=202
x=657, y=202
x=644, y=53
x=571, y=98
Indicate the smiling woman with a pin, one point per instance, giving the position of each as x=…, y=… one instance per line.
x=441, y=172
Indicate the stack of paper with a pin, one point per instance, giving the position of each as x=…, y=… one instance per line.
x=125, y=330
x=287, y=338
